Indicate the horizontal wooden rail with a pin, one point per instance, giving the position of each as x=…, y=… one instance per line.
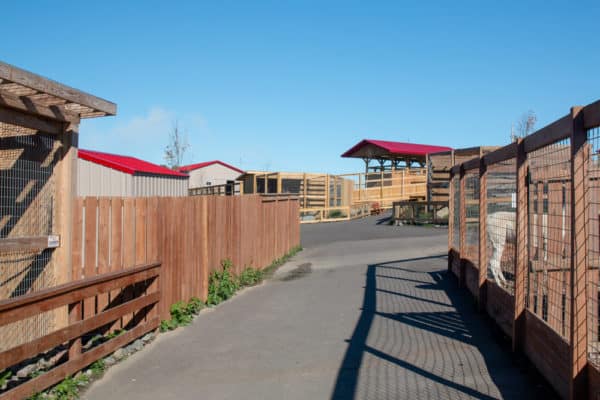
x=29, y=243
x=139, y=303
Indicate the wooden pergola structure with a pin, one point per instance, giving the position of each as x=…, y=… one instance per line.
x=39, y=126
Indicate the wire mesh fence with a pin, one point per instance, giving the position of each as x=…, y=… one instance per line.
x=27, y=209
x=500, y=223
x=456, y=212
x=472, y=215
x=593, y=245
x=548, y=284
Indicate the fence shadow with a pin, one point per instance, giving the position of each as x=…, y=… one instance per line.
x=436, y=346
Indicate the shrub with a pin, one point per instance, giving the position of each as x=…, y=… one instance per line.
x=250, y=277
x=182, y=314
x=336, y=214
x=221, y=284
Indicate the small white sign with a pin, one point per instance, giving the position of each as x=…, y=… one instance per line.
x=53, y=241
x=513, y=198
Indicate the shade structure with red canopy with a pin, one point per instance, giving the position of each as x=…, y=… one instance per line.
x=392, y=155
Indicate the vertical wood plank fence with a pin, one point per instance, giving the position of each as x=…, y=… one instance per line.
x=524, y=239
x=190, y=236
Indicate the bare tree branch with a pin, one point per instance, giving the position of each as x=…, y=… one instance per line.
x=525, y=125
x=177, y=146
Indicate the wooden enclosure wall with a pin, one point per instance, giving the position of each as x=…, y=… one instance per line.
x=190, y=236
x=534, y=263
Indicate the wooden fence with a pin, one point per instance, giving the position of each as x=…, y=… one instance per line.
x=190, y=236
x=524, y=240
x=132, y=259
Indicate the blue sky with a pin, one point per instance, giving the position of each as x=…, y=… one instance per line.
x=290, y=85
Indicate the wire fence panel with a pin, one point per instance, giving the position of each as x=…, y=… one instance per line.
x=593, y=244
x=456, y=213
x=27, y=209
x=548, y=288
x=500, y=223
x=472, y=215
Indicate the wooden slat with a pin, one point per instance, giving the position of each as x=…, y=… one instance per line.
x=31, y=106
x=103, y=246
x=70, y=367
x=44, y=85
x=90, y=248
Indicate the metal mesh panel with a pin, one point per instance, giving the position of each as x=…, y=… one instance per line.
x=548, y=285
x=472, y=214
x=500, y=223
x=593, y=244
x=456, y=212
x=27, y=208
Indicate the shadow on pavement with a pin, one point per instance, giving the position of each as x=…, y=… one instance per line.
x=419, y=336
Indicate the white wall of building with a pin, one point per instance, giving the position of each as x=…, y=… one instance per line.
x=216, y=174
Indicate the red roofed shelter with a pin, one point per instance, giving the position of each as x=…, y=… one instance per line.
x=391, y=155
x=105, y=174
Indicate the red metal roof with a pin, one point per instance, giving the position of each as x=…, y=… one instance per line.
x=191, y=167
x=129, y=165
x=399, y=148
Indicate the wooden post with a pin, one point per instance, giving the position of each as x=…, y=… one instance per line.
x=451, y=201
x=66, y=191
x=481, y=295
x=463, y=227
x=521, y=245
x=305, y=190
x=578, y=334
x=241, y=187
x=327, y=190
x=381, y=188
x=278, y=183
x=359, y=187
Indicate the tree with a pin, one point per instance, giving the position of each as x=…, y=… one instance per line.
x=178, y=145
x=524, y=126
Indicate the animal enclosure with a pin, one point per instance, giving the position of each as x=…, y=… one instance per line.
x=524, y=239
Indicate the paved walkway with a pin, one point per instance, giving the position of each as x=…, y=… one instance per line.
x=366, y=311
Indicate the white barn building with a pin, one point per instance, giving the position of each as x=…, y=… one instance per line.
x=210, y=173
x=104, y=174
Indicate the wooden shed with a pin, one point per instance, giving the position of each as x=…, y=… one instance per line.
x=105, y=174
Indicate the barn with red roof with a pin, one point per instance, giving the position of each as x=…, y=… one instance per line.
x=106, y=174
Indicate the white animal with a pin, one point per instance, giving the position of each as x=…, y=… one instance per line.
x=500, y=228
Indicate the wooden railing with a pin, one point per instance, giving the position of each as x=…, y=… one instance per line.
x=334, y=214
x=139, y=283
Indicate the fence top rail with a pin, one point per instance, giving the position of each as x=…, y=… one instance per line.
x=472, y=164
x=45, y=294
x=558, y=130
x=502, y=154
x=591, y=115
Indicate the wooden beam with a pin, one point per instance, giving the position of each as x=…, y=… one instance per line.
x=29, y=243
x=471, y=164
x=591, y=115
x=29, y=106
x=559, y=129
x=502, y=154
x=45, y=85
x=14, y=117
